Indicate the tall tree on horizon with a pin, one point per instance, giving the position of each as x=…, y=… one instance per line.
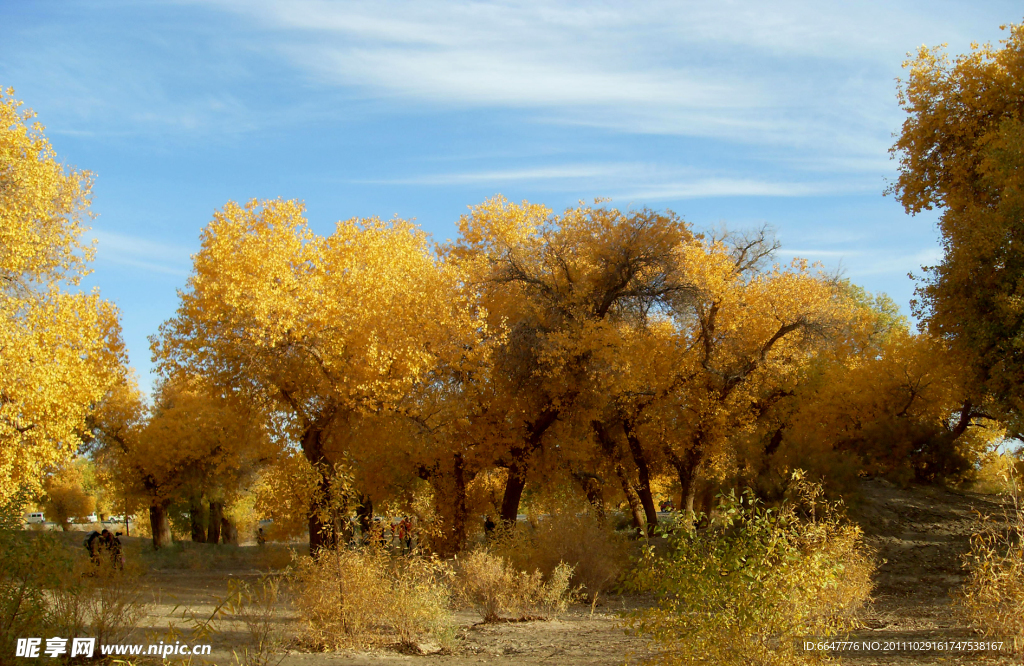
x=961, y=150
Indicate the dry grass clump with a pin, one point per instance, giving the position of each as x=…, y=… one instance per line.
x=596, y=554
x=992, y=599
x=256, y=606
x=50, y=589
x=500, y=591
x=351, y=598
x=748, y=588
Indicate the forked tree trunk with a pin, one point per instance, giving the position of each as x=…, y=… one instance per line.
x=592, y=486
x=519, y=464
x=686, y=469
x=160, y=524
x=635, y=508
x=195, y=517
x=608, y=446
x=643, y=487
x=216, y=516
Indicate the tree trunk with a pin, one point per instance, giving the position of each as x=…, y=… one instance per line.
x=686, y=469
x=519, y=465
x=459, y=509
x=686, y=466
x=635, y=509
x=323, y=532
x=643, y=488
x=706, y=497
x=228, y=532
x=160, y=524
x=591, y=485
x=449, y=503
x=216, y=516
x=195, y=517
x=514, y=485
x=607, y=443
x=364, y=516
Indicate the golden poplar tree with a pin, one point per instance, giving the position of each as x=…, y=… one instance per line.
x=60, y=350
x=743, y=332
x=191, y=440
x=565, y=288
x=961, y=150
x=66, y=496
x=325, y=329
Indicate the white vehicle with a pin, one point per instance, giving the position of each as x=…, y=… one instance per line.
x=35, y=517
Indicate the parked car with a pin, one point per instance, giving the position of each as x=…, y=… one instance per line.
x=35, y=517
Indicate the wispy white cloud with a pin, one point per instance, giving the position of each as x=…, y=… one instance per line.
x=883, y=261
x=136, y=252
x=540, y=173
x=813, y=75
x=733, y=187
x=839, y=254
x=632, y=181
x=789, y=71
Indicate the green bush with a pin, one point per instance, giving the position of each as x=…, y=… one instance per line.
x=750, y=585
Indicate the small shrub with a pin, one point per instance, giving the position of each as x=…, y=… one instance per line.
x=997, y=473
x=747, y=588
x=494, y=587
x=348, y=598
x=595, y=553
x=992, y=599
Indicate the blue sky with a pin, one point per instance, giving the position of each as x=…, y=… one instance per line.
x=729, y=113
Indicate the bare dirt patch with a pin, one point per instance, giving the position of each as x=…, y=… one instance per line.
x=574, y=638
x=921, y=533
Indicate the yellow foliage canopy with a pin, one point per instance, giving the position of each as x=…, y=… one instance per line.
x=59, y=351
x=962, y=149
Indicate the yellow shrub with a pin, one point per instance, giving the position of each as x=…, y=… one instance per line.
x=992, y=599
x=596, y=554
x=493, y=586
x=48, y=588
x=363, y=597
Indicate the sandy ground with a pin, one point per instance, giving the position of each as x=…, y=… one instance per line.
x=920, y=533
x=576, y=637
